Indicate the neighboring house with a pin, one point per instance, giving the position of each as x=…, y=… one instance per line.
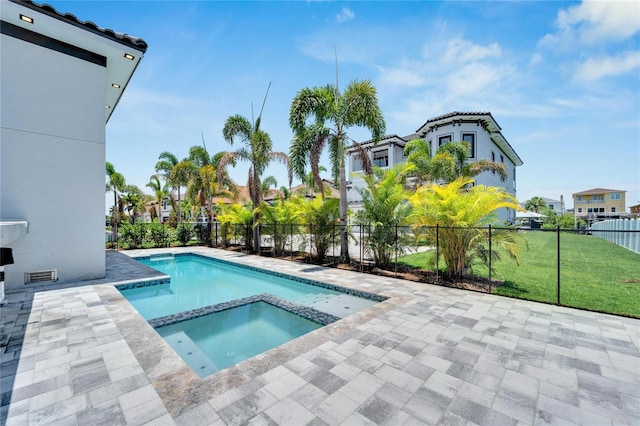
x=556, y=205
x=635, y=210
x=479, y=129
x=599, y=204
x=61, y=79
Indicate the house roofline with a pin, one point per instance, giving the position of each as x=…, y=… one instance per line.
x=69, y=18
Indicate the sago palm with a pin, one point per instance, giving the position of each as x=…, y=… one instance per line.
x=462, y=214
x=319, y=118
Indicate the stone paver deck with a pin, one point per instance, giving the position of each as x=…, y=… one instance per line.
x=80, y=354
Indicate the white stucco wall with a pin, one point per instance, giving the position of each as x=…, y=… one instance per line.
x=52, y=156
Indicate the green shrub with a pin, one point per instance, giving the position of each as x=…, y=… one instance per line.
x=184, y=233
x=160, y=235
x=133, y=235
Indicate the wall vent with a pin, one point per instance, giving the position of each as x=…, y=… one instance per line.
x=40, y=276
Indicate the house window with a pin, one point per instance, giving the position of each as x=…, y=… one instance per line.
x=357, y=163
x=614, y=196
x=470, y=138
x=493, y=158
x=501, y=158
x=444, y=139
x=381, y=158
x=598, y=197
x=579, y=198
x=579, y=209
x=613, y=209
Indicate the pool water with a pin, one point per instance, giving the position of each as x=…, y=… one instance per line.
x=212, y=342
x=198, y=281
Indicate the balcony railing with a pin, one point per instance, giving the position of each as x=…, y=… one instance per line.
x=591, y=202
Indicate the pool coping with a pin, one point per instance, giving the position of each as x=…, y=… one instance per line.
x=305, y=312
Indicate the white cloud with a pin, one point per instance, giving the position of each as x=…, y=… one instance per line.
x=459, y=51
x=596, y=21
x=596, y=68
x=536, y=58
x=345, y=15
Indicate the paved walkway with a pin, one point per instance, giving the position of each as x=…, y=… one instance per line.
x=80, y=354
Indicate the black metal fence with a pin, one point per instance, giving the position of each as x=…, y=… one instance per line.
x=559, y=266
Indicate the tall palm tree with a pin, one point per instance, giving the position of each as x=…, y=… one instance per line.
x=167, y=167
x=134, y=200
x=206, y=180
x=331, y=113
x=257, y=150
x=160, y=192
x=115, y=183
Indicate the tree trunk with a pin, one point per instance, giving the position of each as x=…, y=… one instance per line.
x=179, y=202
x=254, y=193
x=344, y=239
x=114, y=228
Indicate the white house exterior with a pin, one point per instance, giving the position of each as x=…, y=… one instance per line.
x=556, y=205
x=61, y=79
x=480, y=129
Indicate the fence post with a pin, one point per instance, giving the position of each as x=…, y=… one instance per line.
x=275, y=237
x=310, y=241
x=333, y=243
x=489, y=255
x=360, y=243
x=216, y=244
x=291, y=242
x=437, y=252
x=396, y=267
x=558, y=262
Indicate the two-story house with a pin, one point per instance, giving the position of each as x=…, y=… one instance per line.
x=479, y=129
x=599, y=204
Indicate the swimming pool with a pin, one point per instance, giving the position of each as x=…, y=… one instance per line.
x=198, y=281
x=214, y=313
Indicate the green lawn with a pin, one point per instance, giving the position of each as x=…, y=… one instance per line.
x=594, y=274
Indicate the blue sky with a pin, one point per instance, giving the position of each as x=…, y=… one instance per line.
x=561, y=78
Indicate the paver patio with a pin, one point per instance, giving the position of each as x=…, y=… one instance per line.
x=81, y=354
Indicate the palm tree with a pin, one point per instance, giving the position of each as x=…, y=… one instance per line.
x=332, y=113
x=257, y=150
x=173, y=174
x=115, y=183
x=160, y=192
x=320, y=218
x=134, y=200
x=449, y=163
x=266, y=185
x=206, y=179
x=462, y=213
x=535, y=204
x=384, y=208
x=283, y=213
